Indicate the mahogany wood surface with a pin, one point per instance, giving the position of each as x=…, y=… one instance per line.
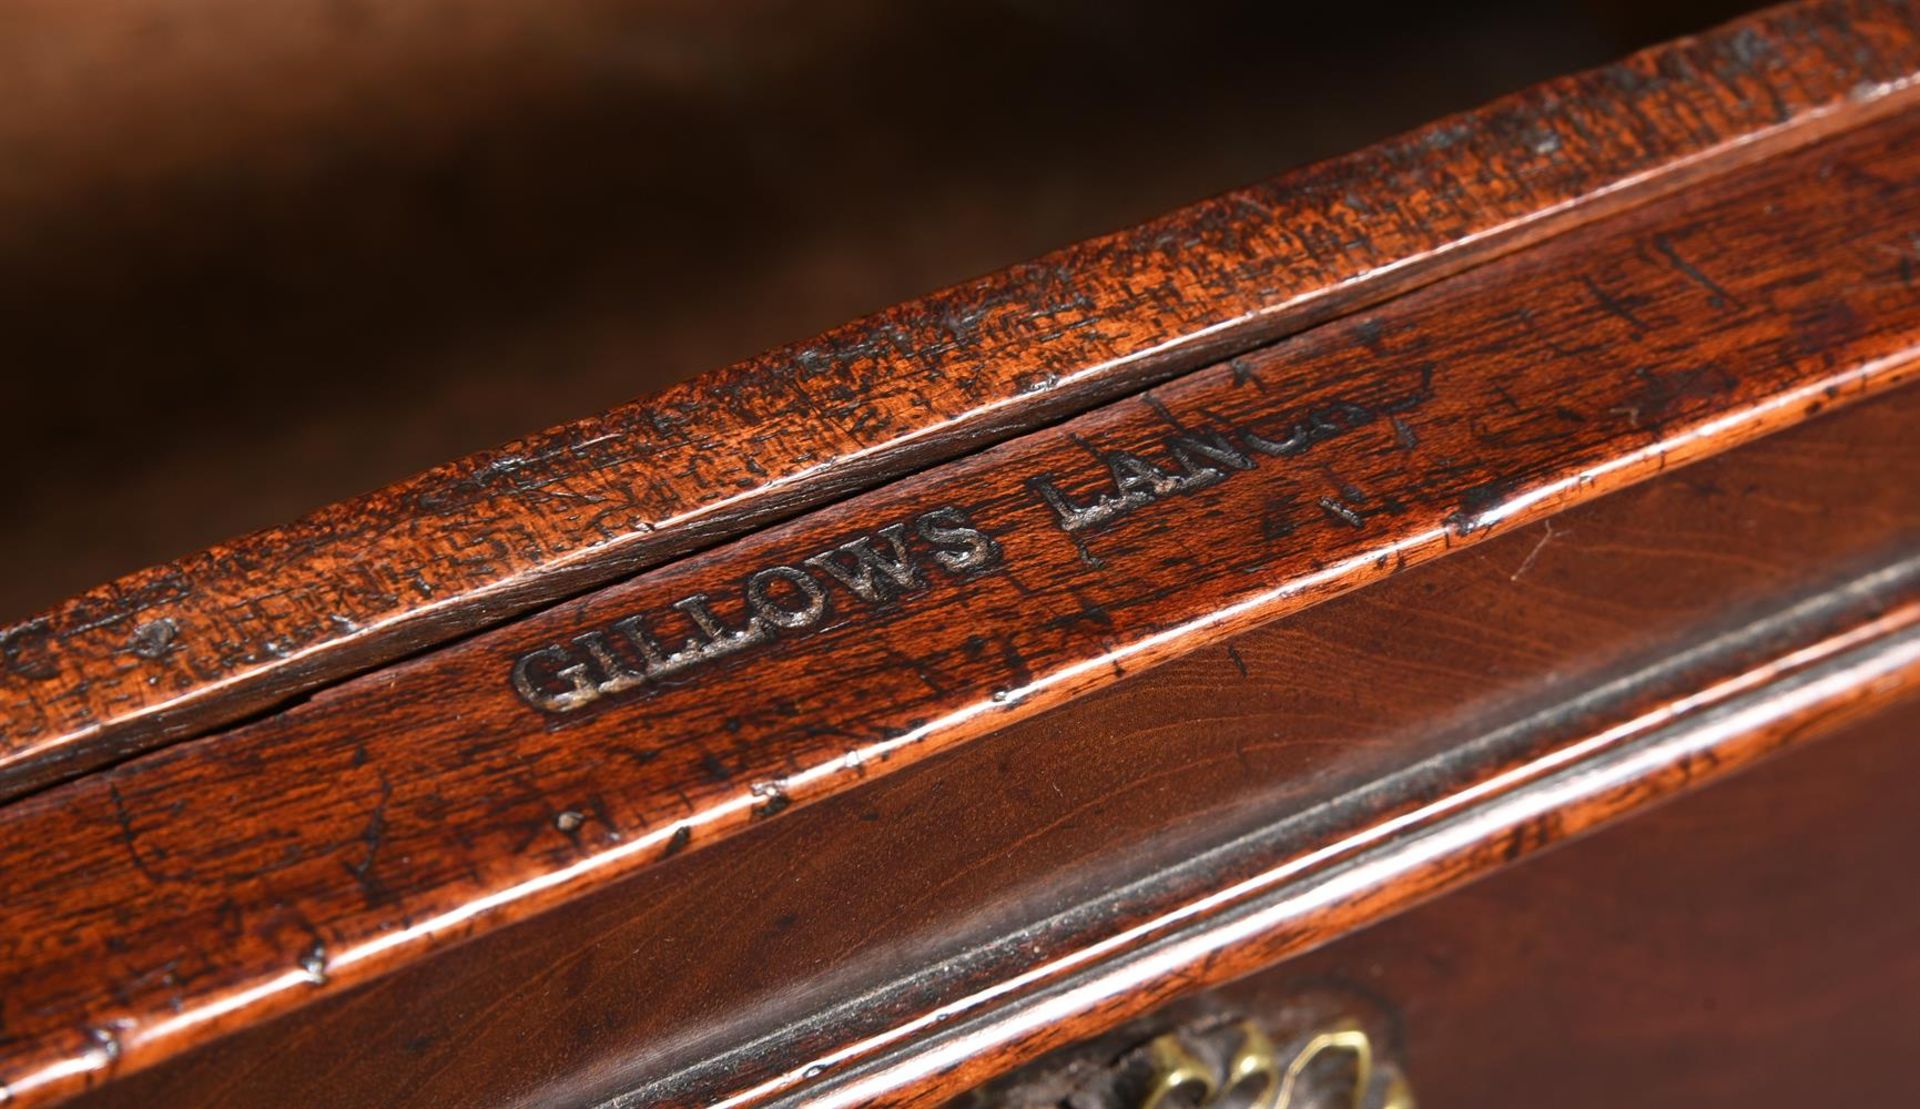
x=196, y=643
x=1568, y=799
x=448, y=230
x=1683, y=959
x=863, y=914
x=1559, y=461
x=526, y=766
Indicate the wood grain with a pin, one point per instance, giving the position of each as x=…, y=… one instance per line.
x=1414, y=856
x=1721, y=951
x=433, y=800
x=721, y=970
x=189, y=645
x=1689, y=957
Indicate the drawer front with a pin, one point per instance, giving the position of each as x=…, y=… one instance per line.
x=1755, y=944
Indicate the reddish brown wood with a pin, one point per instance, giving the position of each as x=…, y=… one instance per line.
x=1720, y=951
x=429, y=803
x=607, y=241
x=1731, y=950
x=1390, y=867
x=182, y=647
x=864, y=912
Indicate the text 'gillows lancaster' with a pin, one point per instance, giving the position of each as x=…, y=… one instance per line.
x=778, y=602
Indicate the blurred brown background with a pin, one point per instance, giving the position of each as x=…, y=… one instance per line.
x=255, y=257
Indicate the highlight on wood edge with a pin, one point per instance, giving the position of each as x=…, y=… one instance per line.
x=1770, y=410
x=164, y=654
x=1415, y=855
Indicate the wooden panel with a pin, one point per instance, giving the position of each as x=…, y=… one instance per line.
x=178, y=648
x=458, y=791
x=841, y=921
x=616, y=232
x=1739, y=948
x=1729, y=949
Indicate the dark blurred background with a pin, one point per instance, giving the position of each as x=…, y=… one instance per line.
x=255, y=257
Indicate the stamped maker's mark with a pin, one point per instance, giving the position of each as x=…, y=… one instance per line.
x=884, y=567
x=875, y=570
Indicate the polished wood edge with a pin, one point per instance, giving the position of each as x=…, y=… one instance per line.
x=472, y=818
x=945, y=878
x=183, y=647
x=1405, y=857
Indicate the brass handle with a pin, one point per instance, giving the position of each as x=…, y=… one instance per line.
x=1176, y=1071
x=1256, y=1077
